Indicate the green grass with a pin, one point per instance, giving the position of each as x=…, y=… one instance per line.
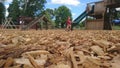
x=116, y=27
x=80, y=28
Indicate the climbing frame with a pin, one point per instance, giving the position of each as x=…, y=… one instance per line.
x=8, y=23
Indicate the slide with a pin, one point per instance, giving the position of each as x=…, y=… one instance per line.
x=82, y=16
x=79, y=18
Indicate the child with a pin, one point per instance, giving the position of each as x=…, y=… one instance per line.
x=68, y=24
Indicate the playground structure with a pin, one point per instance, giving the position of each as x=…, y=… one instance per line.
x=26, y=23
x=8, y=23
x=98, y=15
x=35, y=23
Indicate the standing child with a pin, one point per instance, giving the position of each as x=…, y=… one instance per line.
x=68, y=24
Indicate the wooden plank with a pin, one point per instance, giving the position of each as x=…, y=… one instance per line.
x=94, y=24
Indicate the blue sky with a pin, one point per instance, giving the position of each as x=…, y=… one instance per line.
x=76, y=6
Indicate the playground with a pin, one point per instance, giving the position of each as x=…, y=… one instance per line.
x=37, y=43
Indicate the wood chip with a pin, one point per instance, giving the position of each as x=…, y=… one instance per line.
x=98, y=50
x=91, y=62
x=62, y=66
x=2, y=62
x=32, y=61
x=9, y=62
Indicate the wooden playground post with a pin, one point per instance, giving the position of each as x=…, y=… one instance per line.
x=102, y=14
x=46, y=24
x=41, y=24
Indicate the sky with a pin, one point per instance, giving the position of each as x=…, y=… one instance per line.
x=76, y=6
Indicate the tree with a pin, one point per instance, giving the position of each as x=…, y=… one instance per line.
x=28, y=8
x=61, y=15
x=2, y=12
x=14, y=10
x=32, y=8
x=49, y=13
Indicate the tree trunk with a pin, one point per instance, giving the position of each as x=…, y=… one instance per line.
x=62, y=25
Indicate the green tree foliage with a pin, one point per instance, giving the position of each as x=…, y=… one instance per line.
x=14, y=11
x=82, y=24
x=61, y=15
x=29, y=8
x=2, y=12
x=32, y=8
x=49, y=13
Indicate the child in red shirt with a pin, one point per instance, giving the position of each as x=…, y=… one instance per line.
x=68, y=24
